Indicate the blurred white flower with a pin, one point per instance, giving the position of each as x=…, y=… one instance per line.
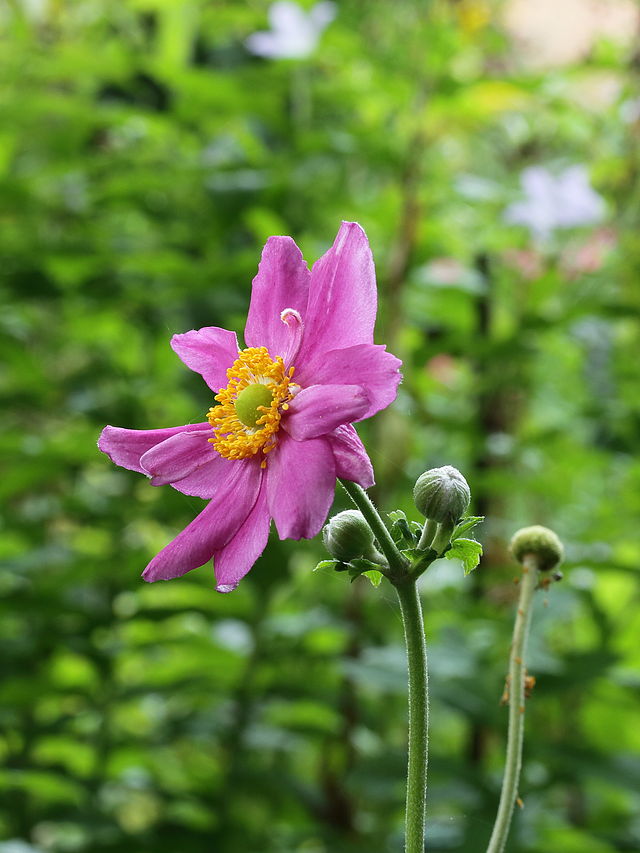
x=294, y=33
x=555, y=201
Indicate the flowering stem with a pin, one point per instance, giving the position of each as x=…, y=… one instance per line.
x=516, y=688
x=418, y=714
x=361, y=499
x=405, y=584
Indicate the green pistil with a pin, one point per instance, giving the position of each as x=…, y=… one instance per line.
x=249, y=401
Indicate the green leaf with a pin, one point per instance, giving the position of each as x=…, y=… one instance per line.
x=362, y=564
x=326, y=564
x=410, y=553
x=420, y=559
x=396, y=515
x=466, y=524
x=468, y=551
x=400, y=530
x=336, y=565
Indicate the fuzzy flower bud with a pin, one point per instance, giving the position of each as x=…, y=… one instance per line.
x=539, y=541
x=442, y=494
x=347, y=536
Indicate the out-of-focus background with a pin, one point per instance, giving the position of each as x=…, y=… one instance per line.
x=147, y=150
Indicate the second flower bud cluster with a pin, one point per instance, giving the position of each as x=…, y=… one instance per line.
x=442, y=496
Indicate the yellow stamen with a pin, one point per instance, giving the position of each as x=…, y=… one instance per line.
x=234, y=439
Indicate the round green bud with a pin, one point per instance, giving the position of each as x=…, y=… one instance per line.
x=347, y=536
x=442, y=494
x=541, y=542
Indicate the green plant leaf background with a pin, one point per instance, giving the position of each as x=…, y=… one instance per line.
x=145, y=157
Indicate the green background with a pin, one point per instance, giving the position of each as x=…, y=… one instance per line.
x=145, y=157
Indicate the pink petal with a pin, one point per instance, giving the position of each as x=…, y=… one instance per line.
x=300, y=485
x=342, y=296
x=350, y=456
x=125, y=446
x=204, y=481
x=208, y=351
x=319, y=409
x=177, y=456
x=282, y=282
x=368, y=365
x=213, y=528
x=233, y=562
x=189, y=462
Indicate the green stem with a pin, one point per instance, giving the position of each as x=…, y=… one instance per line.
x=428, y=532
x=405, y=585
x=515, y=736
x=361, y=499
x=418, y=714
x=442, y=537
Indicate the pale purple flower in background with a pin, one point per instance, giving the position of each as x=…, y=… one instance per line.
x=553, y=201
x=294, y=33
x=281, y=432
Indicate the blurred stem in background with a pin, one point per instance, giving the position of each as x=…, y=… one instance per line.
x=539, y=550
x=516, y=691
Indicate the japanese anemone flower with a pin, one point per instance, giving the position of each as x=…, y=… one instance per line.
x=281, y=431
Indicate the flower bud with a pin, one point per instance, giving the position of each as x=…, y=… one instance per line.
x=347, y=536
x=442, y=494
x=539, y=541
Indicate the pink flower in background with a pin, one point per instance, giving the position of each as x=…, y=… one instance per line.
x=589, y=256
x=444, y=369
x=281, y=431
x=294, y=33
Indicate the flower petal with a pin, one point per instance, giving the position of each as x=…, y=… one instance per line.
x=282, y=282
x=319, y=409
x=177, y=456
x=371, y=366
x=233, y=562
x=208, y=351
x=342, y=296
x=350, y=457
x=300, y=485
x=213, y=528
x=189, y=462
x=125, y=446
x=204, y=481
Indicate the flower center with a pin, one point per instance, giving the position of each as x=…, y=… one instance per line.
x=248, y=415
x=251, y=403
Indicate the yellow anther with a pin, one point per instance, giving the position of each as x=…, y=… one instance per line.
x=233, y=438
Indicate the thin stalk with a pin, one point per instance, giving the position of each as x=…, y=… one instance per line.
x=361, y=499
x=515, y=735
x=442, y=537
x=428, y=532
x=415, y=819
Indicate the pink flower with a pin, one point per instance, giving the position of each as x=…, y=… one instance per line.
x=281, y=432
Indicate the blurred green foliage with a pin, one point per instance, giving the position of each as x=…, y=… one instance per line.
x=145, y=156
